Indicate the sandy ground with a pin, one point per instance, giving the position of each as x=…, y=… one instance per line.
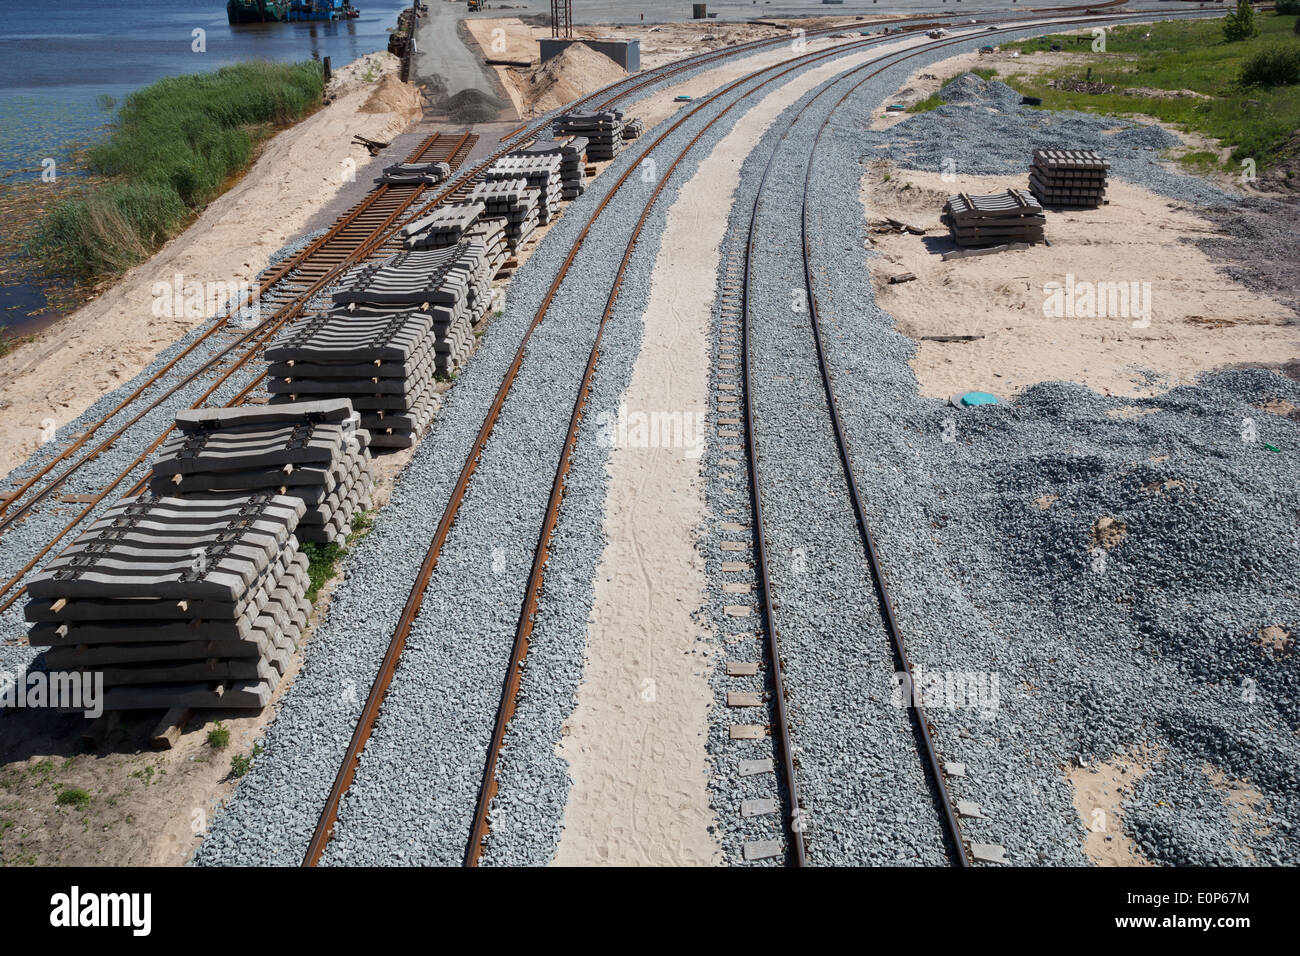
x=108, y=341
x=636, y=740
x=1101, y=789
x=509, y=38
x=1099, y=792
x=1200, y=319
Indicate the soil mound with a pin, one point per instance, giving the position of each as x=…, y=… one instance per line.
x=577, y=71
x=471, y=106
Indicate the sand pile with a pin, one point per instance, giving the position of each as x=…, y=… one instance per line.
x=577, y=71
x=391, y=95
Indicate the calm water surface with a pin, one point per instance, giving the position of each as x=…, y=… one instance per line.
x=65, y=65
x=63, y=62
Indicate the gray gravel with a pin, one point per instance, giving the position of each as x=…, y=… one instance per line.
x=413, y=796
x=23, y=541
x=1157, y=646
x=983, y=130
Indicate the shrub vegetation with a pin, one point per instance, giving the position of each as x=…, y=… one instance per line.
x=174, y=147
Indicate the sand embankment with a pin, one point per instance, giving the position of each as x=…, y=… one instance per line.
x=108, y=341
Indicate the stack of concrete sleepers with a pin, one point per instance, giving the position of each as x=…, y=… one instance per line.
x=309, y=450
x=573, y=174
x=1068, y=177
x=996, y=219
x=444, y=226
x=397, y=324
x=515, y=202
x=541, y=171
x=178, y=602
x=491, y=232
x=603, y=130
x=382, y=360
x=414, y=174
x=633, y=129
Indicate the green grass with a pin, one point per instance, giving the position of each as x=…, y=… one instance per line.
x=323, y=559
x=322, y=564
x=933, y=101
x=1253, y=121
x=219, y=736
x=73, y=797
x=240, y=764
x=174, y=147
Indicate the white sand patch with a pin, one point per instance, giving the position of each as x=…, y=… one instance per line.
x=1200, y=319
x=636, y=740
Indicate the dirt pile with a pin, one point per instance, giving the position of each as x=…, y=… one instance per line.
x=577, y=71
x=391, y=95
x=471, y=106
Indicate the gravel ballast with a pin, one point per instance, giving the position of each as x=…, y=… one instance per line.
x=413, y=795
x=1100, y=648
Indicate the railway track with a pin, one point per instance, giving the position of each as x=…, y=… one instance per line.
x=380, y=237
x=356, y=236
x=379, y=689
x=742, y=314
x=367, y=230
x=411, y=609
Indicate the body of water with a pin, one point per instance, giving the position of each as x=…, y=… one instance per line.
x=66, y=64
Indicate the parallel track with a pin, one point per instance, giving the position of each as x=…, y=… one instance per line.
x=319, y=263
x=513, y=673
x=379, y=689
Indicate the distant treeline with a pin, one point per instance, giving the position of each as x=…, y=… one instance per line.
x=173, y=149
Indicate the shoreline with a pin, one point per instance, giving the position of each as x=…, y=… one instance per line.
x=111, y=338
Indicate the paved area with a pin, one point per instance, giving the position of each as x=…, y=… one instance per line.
x=450, y=68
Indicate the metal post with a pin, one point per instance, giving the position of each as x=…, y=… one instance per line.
x=562, y=18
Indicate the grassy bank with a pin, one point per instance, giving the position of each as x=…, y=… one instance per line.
x=1150, y=69
x=174, y=147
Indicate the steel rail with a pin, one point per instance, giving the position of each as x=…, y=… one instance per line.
x=871, y=551
x=374, y=700
x=304, y=255
x=457, y=187
x=262, y=335
x=652, y=77
x=785, y=748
